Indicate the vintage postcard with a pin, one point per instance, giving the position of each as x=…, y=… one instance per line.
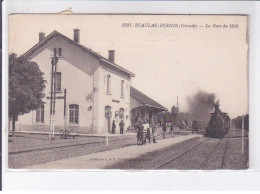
x=132, y=92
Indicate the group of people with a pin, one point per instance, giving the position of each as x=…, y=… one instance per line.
x=164, y=129
x=121, y=126
x=146, y=131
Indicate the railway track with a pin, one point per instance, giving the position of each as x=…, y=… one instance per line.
x=204, y=163
x=64, y=146
x=225, y=152
x=180, y=155
x=210, y=154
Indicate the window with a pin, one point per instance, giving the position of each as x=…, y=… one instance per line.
x=74, y=113
x=58, y=81
x=59, y=52
x=108, y=84
x=40, y=114
x=122, y=88
x=108, y=113
x=121, y=113
x=54, y=52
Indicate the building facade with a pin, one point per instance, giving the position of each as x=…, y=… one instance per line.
x=97, y=89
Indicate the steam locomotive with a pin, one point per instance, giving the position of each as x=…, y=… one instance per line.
x=219, y=123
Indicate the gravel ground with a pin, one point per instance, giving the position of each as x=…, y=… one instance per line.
x=26, y=141
x=212, y=154
x=215, y=160
x=152, y=160
x=31, y=149
x=193, y=159
x=235, y=159
x=46, y=155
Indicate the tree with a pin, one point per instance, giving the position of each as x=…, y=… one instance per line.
x=26, y=85
x=238, y=122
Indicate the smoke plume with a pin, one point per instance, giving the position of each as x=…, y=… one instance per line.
x=201, y=105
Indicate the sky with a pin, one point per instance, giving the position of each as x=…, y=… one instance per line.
x=168, y=61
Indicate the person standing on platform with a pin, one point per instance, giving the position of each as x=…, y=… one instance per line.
x=144, y=132
x=122, y=125
x=113, y=127
x=164, y=128
x=154, y=131
x=148, y=136
x=172, y=129
x=140, y=129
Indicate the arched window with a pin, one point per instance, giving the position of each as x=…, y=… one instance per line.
x=74, y=113
x=108, y=112
x=40, y=114
x=108, y=84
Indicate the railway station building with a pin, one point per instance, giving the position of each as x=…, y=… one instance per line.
x=143, y=107
x=97, y=89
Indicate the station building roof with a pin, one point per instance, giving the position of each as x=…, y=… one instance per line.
x=56, y=33
x=145, y=100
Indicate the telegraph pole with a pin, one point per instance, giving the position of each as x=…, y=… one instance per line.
x=54, y=96
x=243, y=123
x=52, y=65
x=65, y=120
x=54, y=61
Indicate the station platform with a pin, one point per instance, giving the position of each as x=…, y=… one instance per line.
x=101, y=160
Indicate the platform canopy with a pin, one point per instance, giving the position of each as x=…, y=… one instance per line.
x=145, y=100
x=145, y=108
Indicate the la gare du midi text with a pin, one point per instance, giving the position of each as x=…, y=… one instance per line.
x=170, y=25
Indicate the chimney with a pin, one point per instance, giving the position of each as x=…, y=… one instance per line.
x=216, y=107
x=76, y=35
x=41, y=36
x=111, y=56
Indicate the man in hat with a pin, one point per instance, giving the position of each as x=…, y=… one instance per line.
x=122, y=125
x=113, y=127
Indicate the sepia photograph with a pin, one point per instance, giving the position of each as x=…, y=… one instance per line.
x=128, y=92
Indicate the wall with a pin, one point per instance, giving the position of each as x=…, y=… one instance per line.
x=114, y=99
x=79, y=74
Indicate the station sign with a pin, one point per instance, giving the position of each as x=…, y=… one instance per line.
x=57, y=97
x=117, y=101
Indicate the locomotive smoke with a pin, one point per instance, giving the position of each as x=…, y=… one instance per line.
x=201, y=105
